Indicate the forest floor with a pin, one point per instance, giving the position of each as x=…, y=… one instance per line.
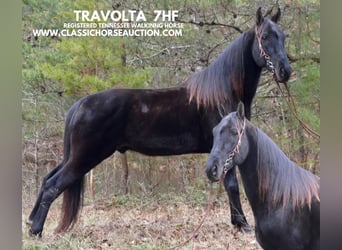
x=128, y=222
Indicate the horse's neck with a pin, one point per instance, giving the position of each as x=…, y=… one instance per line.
x=249, y=174
x=252, y=77
x=252, y=73
x=249, y=178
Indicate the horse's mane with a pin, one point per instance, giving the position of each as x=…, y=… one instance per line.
x=280, y=180
x=210, y=87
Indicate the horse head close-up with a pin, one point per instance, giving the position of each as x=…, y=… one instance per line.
x=269, y=47
x=284, y=197
x=230, y=147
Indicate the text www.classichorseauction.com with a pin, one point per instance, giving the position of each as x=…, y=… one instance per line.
x=117, y=24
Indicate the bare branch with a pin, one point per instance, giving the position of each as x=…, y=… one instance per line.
x=213, y=23
x=313, y=58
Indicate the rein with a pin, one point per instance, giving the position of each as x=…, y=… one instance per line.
x=204, y=216
x=290, y=100
x=229, y=161
x=292, y=106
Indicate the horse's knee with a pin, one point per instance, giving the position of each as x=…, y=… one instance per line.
x=231, y=184
x=232, y=187
x=50, y=193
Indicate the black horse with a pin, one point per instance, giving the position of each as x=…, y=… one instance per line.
x=284, y=197
x=167, y=121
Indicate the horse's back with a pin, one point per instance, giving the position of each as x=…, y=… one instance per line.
x=164, y=122
x=149, y=121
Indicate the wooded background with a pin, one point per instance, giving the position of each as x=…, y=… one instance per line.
x=58, y=71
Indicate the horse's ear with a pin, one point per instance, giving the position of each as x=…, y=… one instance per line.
x=276, y=17
x=259, y=17
x=241, y=111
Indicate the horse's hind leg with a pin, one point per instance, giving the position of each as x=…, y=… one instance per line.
x=52, y=187
x=232, y=187
x=39, y=198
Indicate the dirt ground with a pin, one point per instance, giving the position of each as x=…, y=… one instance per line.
x=152, y=225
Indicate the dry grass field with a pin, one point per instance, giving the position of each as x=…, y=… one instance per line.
x=128, y=222
x=162, y=209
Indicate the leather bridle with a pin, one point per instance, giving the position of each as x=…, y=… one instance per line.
x=229, y=161
x=269, y=64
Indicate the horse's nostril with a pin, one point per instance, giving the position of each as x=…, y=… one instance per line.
x=282, y=73
x=214, y=171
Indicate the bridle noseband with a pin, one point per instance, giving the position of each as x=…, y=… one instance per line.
x=229, y=161
x=269, y=64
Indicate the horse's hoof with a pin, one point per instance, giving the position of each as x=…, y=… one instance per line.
x=243, y=227
x=28, y=222
x=246, y=228
x=35, y=234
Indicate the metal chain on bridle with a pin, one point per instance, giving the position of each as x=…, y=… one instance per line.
x=229, y=161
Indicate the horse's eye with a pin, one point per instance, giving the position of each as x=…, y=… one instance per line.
x=264, y=37
x=235, y=132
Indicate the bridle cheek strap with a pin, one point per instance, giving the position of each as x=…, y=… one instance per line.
x=269, y=64
x=229, y=161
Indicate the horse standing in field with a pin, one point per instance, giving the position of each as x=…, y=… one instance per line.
x=168, y=121
x=284, y=197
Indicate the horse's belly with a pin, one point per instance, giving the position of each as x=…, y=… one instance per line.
x=166, y=144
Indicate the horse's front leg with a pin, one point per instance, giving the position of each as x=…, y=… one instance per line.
x=232, y=187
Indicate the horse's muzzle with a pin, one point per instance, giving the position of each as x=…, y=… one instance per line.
x=213, y=171
x=283, y=73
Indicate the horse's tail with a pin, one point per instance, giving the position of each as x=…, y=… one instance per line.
x=72, y=201
x=73, y=194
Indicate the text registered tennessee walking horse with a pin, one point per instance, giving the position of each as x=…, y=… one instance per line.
x=167, y=121
x=284, y=197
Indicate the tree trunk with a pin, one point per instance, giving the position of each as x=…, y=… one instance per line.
x=91, y=184
x=124, y=163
